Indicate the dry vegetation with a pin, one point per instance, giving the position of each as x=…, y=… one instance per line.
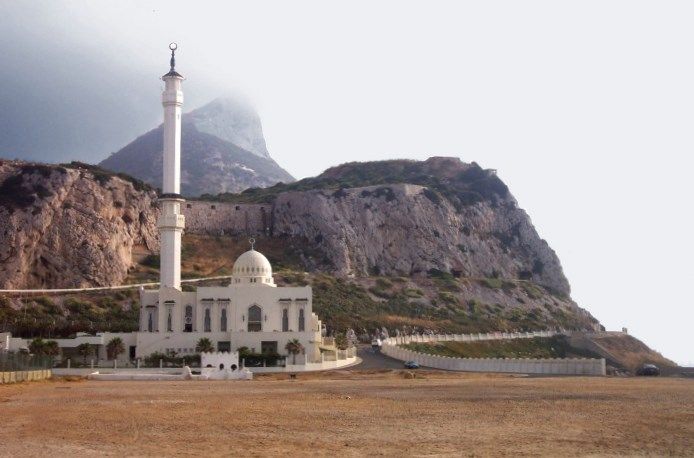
x=350, y=413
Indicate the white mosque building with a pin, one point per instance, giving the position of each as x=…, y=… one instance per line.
x=251, y=311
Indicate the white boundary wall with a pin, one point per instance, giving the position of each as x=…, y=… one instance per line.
x=554, y=366
x=342, y=359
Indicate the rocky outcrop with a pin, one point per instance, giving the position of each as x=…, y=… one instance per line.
x=222, y=150
x=404, y=229
x=66, y=226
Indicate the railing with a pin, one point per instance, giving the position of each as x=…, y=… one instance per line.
x=103, y=288
x=24, y=362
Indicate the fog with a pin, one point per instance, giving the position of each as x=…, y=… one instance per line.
x=584, y=108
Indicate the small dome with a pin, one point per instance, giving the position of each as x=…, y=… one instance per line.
x=252, y=264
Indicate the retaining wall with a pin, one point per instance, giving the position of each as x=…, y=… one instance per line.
x=555, y=366
x=24, y=376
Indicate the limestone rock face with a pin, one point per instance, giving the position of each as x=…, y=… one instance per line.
x=403, y=229
x=222, y=150
x=64, y=227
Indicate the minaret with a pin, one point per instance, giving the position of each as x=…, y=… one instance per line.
x=171, y=222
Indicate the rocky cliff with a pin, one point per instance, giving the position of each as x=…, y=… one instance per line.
x=70, y=226
x=437, y=244
x=409, y=218
x=403, y=230
x=65, y=226
x=222, y=150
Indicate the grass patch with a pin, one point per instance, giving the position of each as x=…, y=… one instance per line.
x=532, y=290
x=538, y=347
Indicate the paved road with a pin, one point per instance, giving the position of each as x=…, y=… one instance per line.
x=371, y=360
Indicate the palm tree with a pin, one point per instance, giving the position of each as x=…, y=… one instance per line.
x=37, y=346
x=85, y=350
x=294, y=347
x=204, y=345
x=114, y=348
x=51, y=348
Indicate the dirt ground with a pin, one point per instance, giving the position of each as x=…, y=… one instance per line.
x=351, y=413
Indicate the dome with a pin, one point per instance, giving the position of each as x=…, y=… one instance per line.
x=252, y=266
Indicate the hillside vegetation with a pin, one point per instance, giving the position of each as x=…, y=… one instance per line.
x=465, y=186
x=437, y=301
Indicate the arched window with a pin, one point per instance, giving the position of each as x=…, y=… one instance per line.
x=169, y=325
x=150, y=322
x=285, y=320
x=302, y=320
x=223, y=321
x=188, y=326
x=208, y=321
x=255, y=319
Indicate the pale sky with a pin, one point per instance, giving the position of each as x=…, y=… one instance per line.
x=585, y=108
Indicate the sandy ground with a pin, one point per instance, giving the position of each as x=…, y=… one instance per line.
x=351, y=413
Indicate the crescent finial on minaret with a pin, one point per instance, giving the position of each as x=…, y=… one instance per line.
x=172, y=72
x=173, y=47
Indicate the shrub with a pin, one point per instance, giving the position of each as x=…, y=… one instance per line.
x=151, y=260
x=532, y=290
x=433, y=196
x=413, y=292
x=379, y=292
x=492, y=283
x=436, y=273
x=383, y=283
x=447, y=298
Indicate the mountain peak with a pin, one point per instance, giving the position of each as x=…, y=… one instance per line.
x=233, y=119
x=222, y=150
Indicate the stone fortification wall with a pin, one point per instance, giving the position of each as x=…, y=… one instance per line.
x=215, y=218
x=557, y=366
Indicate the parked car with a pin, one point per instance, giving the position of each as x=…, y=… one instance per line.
x=412, y=365
x=648, y=369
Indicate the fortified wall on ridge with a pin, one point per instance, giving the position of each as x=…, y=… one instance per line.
x=217, y=218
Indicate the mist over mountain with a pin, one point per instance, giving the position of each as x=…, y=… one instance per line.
x=222, y=150
x=64, y=98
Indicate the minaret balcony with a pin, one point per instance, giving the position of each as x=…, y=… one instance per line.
x=173, y=221
x=172, y=98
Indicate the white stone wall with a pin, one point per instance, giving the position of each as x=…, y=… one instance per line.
x=214, y=359
x=215, y=218
x=559, y=366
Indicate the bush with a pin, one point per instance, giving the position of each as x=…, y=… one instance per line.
x=379, y=292
x=151, y=260
x=492, y=283
x=413, y=292
x=448, y=298
x=383, y=283
x=532, y=290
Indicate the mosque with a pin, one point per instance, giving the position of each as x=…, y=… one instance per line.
x=251, y=311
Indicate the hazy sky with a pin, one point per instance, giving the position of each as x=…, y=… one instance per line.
x=585, y=109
